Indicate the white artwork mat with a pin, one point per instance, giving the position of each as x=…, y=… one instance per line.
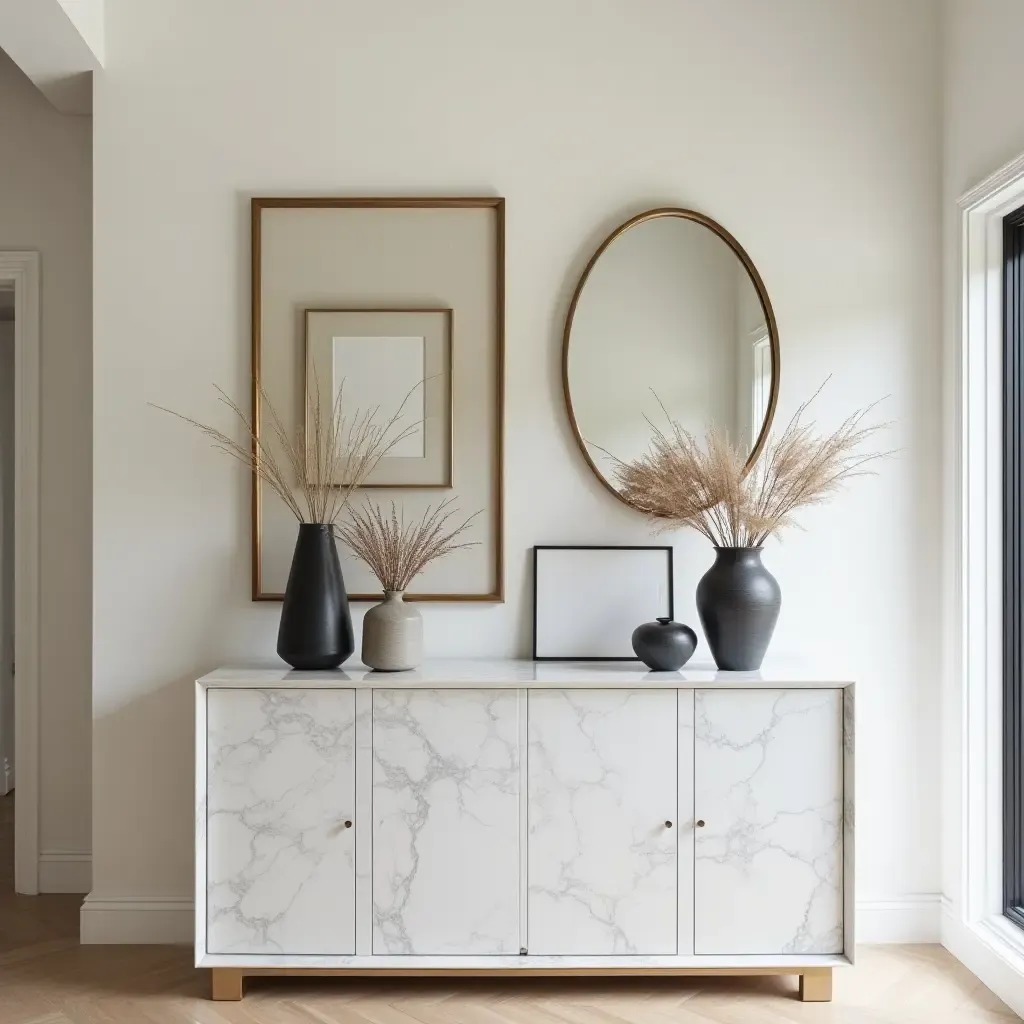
x=388, y=375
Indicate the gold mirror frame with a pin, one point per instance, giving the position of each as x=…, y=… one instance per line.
x=762, y=295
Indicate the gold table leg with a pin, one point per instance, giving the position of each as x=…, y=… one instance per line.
x=816, y=985
x=227, y=984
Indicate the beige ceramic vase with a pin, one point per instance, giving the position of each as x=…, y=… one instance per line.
x=392, y=635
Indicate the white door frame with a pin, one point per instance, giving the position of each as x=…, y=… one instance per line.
x=973, y=926
x=21, y=269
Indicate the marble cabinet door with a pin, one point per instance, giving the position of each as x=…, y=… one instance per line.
x=445, y=857
x=768, y=784
x=603, y=828
x=280, y=788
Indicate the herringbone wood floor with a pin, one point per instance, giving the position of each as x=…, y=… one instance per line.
x=47, y=978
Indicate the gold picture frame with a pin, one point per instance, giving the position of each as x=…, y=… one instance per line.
x=487, y=439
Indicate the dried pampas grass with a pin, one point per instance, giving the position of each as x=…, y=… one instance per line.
x=397, y=552
x=678, y=483
x=316, y=471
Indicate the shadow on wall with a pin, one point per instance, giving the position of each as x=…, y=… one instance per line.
x=144, y=765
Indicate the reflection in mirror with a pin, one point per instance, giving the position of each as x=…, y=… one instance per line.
x=667, y=312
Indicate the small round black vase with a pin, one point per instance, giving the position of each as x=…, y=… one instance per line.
x=664, y=645
x=316, y=626
x=738, y=601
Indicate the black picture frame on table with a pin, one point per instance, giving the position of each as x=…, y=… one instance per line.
x=671, y=612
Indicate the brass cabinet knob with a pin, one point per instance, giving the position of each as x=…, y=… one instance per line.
x=700, y=823
x=348, y=824
x=668, y=824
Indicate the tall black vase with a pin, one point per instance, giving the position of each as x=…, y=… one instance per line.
x=316, y=627
x=738, y=601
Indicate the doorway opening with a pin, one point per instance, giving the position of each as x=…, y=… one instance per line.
x=6, y=586
x=19, y=565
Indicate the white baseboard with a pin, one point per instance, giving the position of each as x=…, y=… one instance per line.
x=65, y=871
x=136, y=920
x=992, y=959
x=909, y=919
x=109, y=920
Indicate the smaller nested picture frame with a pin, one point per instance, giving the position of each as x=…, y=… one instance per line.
x=397, y=361
x=588, y=599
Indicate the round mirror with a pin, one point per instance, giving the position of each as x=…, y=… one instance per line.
x=670, y=316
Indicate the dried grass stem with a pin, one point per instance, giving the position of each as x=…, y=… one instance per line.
x=315, y=471
x=397, y=552
x=679, y=483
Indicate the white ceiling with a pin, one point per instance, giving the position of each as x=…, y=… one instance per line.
x=45, y=39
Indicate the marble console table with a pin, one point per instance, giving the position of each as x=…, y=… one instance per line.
x=512, y=817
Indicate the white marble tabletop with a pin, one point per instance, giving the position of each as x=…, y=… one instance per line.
x=514, y=674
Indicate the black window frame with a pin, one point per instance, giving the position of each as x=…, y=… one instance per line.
x=1013, y=567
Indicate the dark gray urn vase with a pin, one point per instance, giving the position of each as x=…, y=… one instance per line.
x=316, y=626
x=664, y=645
x=738, y=601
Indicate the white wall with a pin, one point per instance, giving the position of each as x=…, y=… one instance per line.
x=810, y=129
x=983, y=114
x=46, y=204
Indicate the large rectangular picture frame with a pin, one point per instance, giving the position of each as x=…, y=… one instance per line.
x=665, y=549
x=494, y=203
